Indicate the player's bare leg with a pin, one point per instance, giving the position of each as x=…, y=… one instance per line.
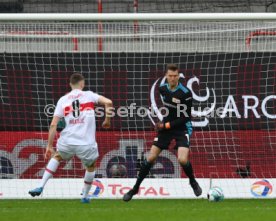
x=88, y=180
x=48, y=173
x=183, y=159
x=144, y=171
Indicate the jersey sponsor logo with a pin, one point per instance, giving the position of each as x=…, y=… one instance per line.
x=175, y=100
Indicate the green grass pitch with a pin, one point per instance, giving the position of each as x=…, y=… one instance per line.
x=157, y=210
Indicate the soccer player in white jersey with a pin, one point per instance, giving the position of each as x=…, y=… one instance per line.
x=78, y=136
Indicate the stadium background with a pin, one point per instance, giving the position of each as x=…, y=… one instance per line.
x=23, y=87
x=143, y=6
x=33, y=73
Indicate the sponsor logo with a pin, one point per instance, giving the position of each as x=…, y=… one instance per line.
x=26, y=159
x=175, y=100
x=96, y=190
x=261, y=188
x=229, y=109
x=131, y=151
x=119, y=189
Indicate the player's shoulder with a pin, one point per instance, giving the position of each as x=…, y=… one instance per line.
x=90, y=93
x=184, y=89
x=93, y=96
x=163, y=87
x=62, y=98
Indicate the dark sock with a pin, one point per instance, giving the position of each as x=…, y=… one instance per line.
x=144, y=171
x=188, y=169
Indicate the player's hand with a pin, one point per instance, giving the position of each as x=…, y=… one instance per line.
x=106, y=124
x=159, y=126
x=49, y=152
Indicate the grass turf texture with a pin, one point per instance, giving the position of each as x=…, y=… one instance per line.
x=157, y=210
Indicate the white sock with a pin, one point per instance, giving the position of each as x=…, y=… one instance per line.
x=49, y=171
x=88, y=179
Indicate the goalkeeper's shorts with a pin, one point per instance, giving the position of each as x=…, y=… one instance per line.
x=88, y=154
x=164, y=138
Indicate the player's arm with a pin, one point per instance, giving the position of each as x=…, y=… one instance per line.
x=182, y=119
x=108, y=110
x=188, y=102
x=160, y=125
x=173, y=124
x=51, y=137
x=58, y=114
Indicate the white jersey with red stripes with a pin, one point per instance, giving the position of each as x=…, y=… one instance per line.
x=77, y=108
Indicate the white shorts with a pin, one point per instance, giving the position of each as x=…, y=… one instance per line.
x=88, y=154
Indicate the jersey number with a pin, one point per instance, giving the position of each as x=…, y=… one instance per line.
x=76, y=108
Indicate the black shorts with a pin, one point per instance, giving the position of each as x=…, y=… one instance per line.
x=164, y=138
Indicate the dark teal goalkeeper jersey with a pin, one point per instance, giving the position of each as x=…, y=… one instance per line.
x=177, y=99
